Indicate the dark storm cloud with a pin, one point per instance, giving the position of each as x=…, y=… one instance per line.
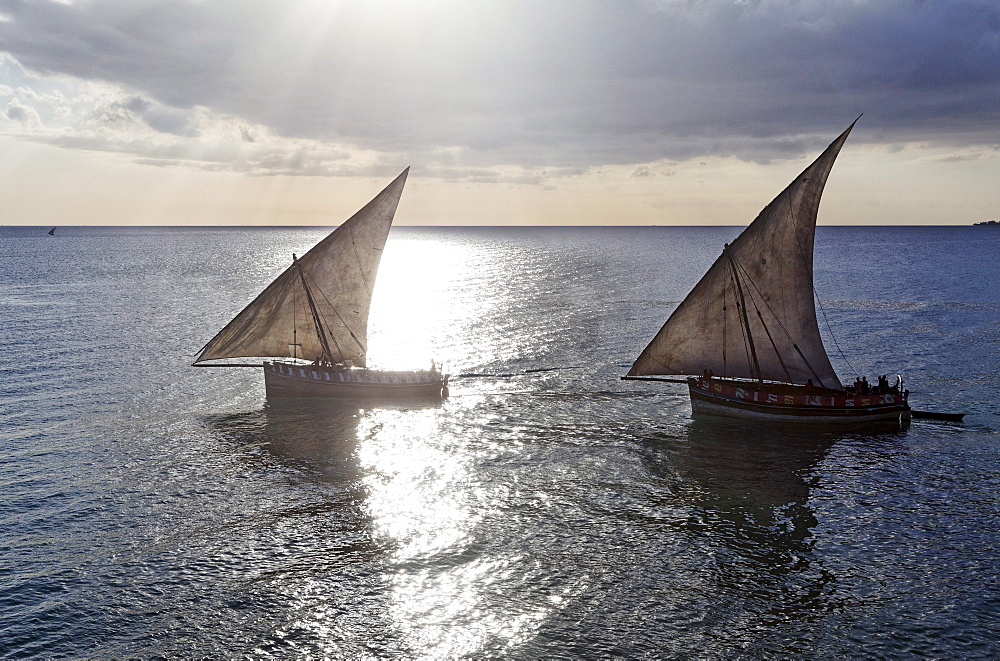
x=551, y=84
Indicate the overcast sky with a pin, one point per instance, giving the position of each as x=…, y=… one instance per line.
x=509, y=112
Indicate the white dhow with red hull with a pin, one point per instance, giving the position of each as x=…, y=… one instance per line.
x=311, y=322
x=749, y=326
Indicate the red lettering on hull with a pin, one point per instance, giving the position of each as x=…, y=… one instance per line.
x=790, y=401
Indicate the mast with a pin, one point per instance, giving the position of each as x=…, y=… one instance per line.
x=742, y=305
x=317, y=320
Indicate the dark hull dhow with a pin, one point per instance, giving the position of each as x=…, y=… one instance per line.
x=790, y=403
x=752, y=319
x=290, y=380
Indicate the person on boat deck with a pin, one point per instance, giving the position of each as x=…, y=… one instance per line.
x=707, y=374
x=857, y=385
x=810, y=386
x=865, y=388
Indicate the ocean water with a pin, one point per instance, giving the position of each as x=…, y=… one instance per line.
x=546, y=509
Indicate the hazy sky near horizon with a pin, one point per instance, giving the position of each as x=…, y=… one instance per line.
x=554, y=112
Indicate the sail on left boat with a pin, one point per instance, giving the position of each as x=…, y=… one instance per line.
x=309, y=327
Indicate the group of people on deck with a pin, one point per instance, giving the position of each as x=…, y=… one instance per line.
x=862, y=387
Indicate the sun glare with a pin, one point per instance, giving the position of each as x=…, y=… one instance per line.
x=426, y=500
x=426, y=294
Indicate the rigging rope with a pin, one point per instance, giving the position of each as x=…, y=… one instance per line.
x=773, y=345
x=832, y=336
x=317, y=317
x=361, y=346
x=295, y=328
x=361, y=270
x=725, y=323
x=788, y=335
x=742, y=307
x=746, y=344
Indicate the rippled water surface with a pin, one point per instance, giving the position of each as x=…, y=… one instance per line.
x=150, y=508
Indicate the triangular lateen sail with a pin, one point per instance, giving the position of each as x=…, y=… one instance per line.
x=340, y=271
x=774, y=260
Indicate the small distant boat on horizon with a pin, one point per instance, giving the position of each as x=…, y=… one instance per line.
x=310, y=325
x=987, y=223
x=52, y=232
x=748, y=329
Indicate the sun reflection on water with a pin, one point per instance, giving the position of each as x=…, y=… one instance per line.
x=447, y=589
x=447, y=615
x=439, y=297
x=414, y=487
x=428, y=490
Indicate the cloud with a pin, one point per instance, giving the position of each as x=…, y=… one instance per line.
x=475, y=89
x=23, y=114
x=138, y=110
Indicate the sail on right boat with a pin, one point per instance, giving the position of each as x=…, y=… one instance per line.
x=747, y=335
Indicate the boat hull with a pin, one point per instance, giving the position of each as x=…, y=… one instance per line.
x=287, y=380
x=789, y=403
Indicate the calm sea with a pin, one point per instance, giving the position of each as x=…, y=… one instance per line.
x=148, y=508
